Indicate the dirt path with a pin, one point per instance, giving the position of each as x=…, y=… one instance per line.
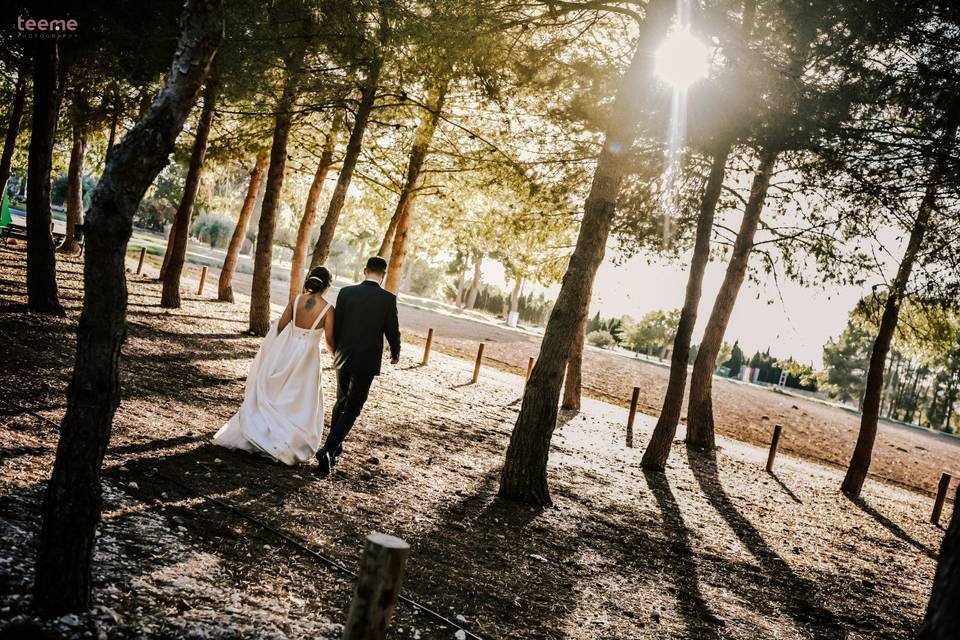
x=713, y=549
x=910, y=457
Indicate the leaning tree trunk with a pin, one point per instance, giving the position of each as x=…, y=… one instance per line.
x=225, y=285
x=942, y=620
x=515, y=295
x=170, y=296
x=658, y=450
x=74, y=190
x=71, y=507
x=42, y=295
x=263, y=256
x=524, y=474
x=13, y=126
x=863, y=452
x=114, y=123
x=310, y=208
x=573, y=382
x=321, y=250
x=414, y=176
x=475, y=282
x=398, y=251
x=700, y=429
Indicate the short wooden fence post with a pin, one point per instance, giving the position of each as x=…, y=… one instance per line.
x=426, y=347
x=377, y=589
x=633, y=414
x=476, y=367
x=143, y=252
x=941, y=498
x=774, y=443
x=203, y=279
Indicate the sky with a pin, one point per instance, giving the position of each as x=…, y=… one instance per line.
x=798, y=326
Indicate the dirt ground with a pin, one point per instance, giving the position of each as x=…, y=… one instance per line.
x=714, y=548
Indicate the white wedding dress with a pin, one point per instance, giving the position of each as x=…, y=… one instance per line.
x=282, y=411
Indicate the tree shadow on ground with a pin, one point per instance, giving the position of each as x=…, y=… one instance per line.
x=785, y=488
x=797, y=594
x=681, y=562
x=891, y=526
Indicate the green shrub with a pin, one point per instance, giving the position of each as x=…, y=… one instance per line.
x=601, y=338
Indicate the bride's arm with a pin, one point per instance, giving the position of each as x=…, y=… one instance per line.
x=328, y=331
x=285, y=317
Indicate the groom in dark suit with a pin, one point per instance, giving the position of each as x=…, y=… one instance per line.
x=364, y=314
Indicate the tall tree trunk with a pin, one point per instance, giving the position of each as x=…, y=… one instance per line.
x=170, y=296
x=263, y=256
x=115, y=111
x=700, y=429
x=71, y=507
x=42, y=295
x=863, y=451
x=658, y=450
x=573, y=382
x=74, y=189
x=475, y=282
x=461, y=285
x=395, y=268
x=13, y=126
x=942, y=619
x=515, y=294
x=524, y=474
x=414, y=176
x=225, y=285
x=368, y=96
x=310, y=208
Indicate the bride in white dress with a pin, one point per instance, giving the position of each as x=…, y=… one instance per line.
x=282, y=411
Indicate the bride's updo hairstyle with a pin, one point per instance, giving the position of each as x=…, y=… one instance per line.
x=318, y=280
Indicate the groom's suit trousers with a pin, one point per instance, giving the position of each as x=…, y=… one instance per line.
x=352, y=391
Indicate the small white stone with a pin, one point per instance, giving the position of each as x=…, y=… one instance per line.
x=134, y=486
x=460, y=635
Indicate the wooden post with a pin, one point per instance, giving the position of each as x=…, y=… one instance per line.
x=529, y=371
x=941, y=497
x=476, y=367
x=203, y=278
x=426, y=347
x=143, y=252
x=774, y=443
x=377, y=588
x=633, y=414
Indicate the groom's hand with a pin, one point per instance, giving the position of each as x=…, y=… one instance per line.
x=394, y=360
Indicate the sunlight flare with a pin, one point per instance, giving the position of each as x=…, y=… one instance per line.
x=681, y=59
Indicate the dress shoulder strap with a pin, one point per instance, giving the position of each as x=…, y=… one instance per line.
x=296, y=303
x=319, y=318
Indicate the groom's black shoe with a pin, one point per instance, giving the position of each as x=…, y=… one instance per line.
x=324, y=463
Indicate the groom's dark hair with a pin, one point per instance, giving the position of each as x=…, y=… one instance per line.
x=376, y=264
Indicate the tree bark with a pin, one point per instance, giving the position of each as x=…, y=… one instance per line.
x=399, y=249
x=42, y=294
x=414, y=176
x=700, y=428
x=515, y=294
x=863, y=451
x=74, y=190
x=942, y=619
x=524, y=474
x=71, y=507
x=461, y=285
x=573, y=383
x=13, y=126
x=263, y=256
x=114, y=123
x=310, y=208
x=321, y=250
x=658, y=450
x=225, y=284
x=475, y=282
x=170, y=296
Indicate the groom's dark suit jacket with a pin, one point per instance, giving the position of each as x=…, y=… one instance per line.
x=365, y=313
